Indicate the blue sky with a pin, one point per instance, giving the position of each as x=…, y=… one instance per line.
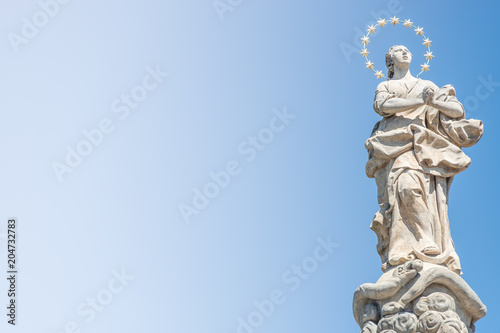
x=265, y=100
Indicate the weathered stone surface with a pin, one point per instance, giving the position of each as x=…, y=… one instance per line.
x=413, y=296
x=414, y=153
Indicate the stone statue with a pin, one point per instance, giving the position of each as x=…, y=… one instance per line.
x=414, y=153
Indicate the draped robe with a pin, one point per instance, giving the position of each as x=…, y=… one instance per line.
x=413, y=156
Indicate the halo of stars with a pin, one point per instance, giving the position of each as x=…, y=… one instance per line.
x=365, y=40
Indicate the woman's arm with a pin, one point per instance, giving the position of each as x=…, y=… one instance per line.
x=396, y=105
x=387, y=104
x=452, y=109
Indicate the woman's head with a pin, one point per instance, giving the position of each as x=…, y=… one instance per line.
x=399, y=56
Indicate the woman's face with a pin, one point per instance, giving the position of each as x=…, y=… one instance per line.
x=401, y=57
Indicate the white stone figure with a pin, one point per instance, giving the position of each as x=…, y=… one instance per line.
x=414, y=153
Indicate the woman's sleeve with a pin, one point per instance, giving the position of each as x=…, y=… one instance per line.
x=454, y=99
x=382, y=95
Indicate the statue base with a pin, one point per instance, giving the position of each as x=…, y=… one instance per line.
x=417, y=297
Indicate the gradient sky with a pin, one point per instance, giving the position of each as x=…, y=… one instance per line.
x=288, y=72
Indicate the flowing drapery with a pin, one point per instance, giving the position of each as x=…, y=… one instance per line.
x=413, y=156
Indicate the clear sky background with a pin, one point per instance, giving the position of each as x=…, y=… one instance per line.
x=116, y=210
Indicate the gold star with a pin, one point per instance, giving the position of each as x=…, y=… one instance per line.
x=408, y=23
x=394, y=20
x=371, y=29
x=364, y=52
x=381, y=22
x=369, y=64
x=425, y=67
x=419, y=31
x=427, y=42
x=428, y=55
x=379, y=74
x=365, y=40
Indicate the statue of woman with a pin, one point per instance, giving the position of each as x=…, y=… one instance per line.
x=414, y=153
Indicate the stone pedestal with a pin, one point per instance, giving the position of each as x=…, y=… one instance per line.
x=417, y=297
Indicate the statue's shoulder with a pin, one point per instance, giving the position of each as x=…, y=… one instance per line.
x=428, y=83
x=383, y=86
